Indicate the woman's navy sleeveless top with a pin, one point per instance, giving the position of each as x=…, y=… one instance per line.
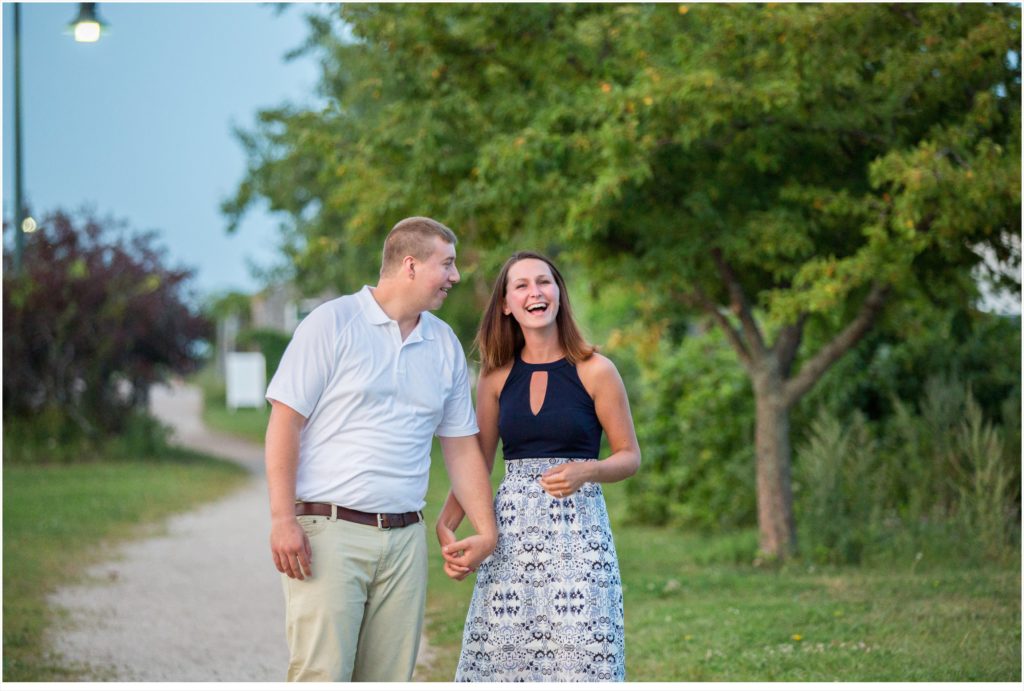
x=567, y=424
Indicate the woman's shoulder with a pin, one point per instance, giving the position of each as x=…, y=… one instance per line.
x=494, y=380
x=597, y=364
x=595, y=371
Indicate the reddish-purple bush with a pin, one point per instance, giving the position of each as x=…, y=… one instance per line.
x=91, y=321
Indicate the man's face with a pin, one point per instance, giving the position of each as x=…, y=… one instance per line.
x=436, y=274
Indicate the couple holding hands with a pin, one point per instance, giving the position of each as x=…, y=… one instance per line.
x=366, y=382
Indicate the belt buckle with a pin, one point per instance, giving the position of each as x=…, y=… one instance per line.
x=380, y=522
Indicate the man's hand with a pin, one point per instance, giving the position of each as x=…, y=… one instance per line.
x=471, y=487
x=290, y=548
x=445, y=537
x=467, y=554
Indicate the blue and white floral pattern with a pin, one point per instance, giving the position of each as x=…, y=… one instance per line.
x=547, y=605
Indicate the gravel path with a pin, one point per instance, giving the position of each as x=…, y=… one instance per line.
x=201, y=600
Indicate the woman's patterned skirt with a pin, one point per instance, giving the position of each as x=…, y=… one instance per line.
x=547, y=604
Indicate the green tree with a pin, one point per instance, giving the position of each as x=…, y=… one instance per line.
x=780, y=167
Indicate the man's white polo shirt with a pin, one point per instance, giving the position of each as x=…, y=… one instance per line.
x=372, y=403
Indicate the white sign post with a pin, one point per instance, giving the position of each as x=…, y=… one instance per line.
x=246, y=375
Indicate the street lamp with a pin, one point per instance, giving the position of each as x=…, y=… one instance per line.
x=87, y=29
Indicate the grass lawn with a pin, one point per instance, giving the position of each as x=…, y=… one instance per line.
x=248, y=423
x=60, y=519
x=696, y=610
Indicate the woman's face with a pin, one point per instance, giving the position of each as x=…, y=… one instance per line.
x=531, y=294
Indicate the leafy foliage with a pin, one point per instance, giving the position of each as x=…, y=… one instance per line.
x=798, y=165
x=270, y=342
x=639, y=136
x=91, y=322
x=697, y=427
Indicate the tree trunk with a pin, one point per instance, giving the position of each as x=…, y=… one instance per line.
x=776, y=391
x=777, y=531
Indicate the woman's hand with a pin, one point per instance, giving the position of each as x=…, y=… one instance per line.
x=463, y=557
x=564, y=480
x=445, y=537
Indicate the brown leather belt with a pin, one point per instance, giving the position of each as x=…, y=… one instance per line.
x=384, y=521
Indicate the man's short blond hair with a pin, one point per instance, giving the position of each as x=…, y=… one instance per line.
x=411, y=237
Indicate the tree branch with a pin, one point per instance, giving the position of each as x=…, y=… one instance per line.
x=740, y=306
x=700, y=298
x=788, y=343
x=906, y=13
x=846, y=339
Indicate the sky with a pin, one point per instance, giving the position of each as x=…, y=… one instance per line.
x=139, y=126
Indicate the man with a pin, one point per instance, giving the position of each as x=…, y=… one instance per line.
x=365, y=383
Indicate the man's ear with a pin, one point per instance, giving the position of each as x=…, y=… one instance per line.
x=409, y=266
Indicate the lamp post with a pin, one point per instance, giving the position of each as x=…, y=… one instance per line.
x=19, y=207
x=87, y=29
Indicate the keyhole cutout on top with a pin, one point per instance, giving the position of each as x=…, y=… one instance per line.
x=538, y=390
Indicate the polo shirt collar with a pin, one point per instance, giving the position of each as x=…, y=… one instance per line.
x=372, y=310
x=376, y=315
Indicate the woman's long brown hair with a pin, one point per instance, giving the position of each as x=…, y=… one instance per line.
x=500, y=337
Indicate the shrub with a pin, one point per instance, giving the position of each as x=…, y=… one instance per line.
x=47, y=439
x=695, y=423
x=267, y=341
x=93, y=319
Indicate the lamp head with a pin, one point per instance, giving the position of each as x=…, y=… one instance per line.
x=87, y=26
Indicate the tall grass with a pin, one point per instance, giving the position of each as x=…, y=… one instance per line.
x=839, y=489
x=987, y=500
x=939, y=478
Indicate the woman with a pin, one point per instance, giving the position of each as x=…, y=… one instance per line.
x=547, y=605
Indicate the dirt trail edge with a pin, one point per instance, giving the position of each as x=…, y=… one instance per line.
x=198, y=602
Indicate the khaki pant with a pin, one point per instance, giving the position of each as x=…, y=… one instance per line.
x=359, y=617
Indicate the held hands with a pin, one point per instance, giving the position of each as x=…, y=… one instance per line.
x=462, y=557
x=290, y=547
x=445, y=537
x=566, y=479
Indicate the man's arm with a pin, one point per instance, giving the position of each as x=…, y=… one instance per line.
x=289, y=544
x=471, y=486
x=487, y=419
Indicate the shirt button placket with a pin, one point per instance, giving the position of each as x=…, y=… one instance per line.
x=399, y=359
